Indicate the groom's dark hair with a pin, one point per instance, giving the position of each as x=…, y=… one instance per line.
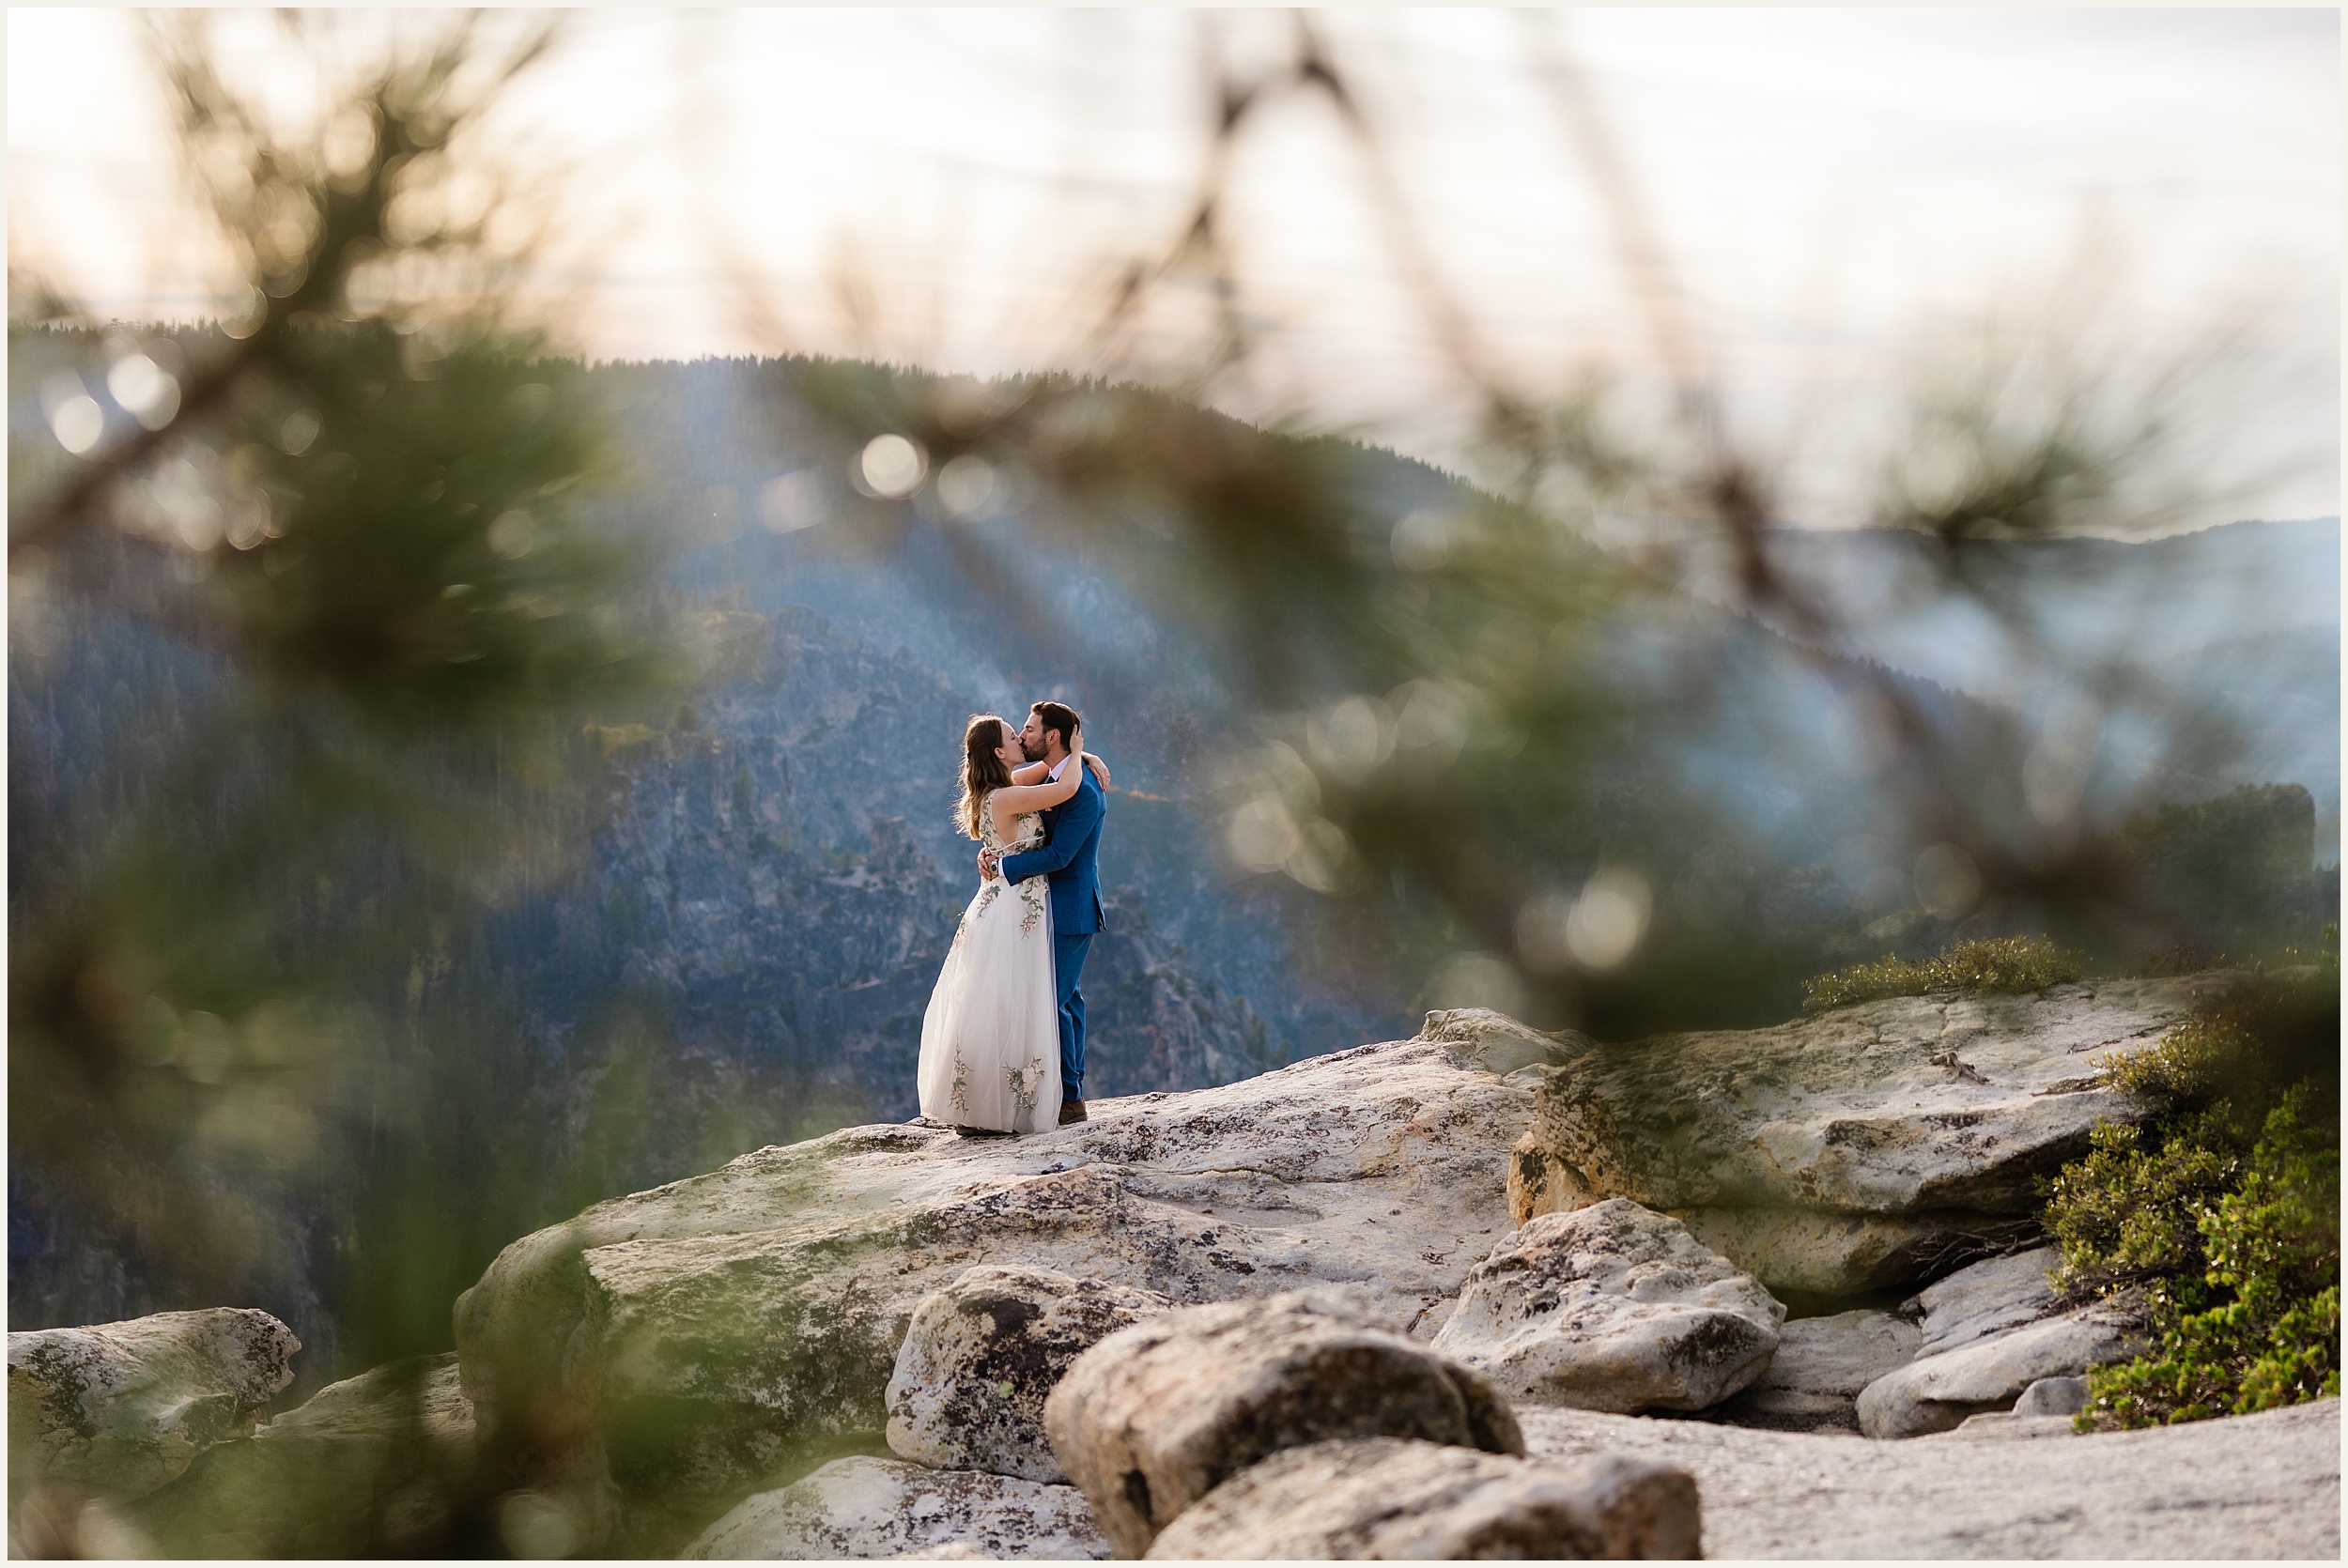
x=1060, y=716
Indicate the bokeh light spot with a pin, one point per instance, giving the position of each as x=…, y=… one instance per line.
x=1478, y=980
x=791, y=502
x=1352, y=738
x=1947, y=882
x=149, y=391
x=1261, y=835
x=1608, y=919
x=892, y=467
x=966, y=485
x=78, y=423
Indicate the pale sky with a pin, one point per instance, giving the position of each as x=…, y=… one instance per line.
x=1830, y=186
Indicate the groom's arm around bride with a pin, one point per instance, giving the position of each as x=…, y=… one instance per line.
x=1068, y=859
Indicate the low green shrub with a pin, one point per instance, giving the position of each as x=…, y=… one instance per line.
x=2193, y=1067
x=2014, y=964
x=2129, y=1212
x=2223, y=1209
x=2260, y=1327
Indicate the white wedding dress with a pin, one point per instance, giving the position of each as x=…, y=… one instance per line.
x=990, y=1042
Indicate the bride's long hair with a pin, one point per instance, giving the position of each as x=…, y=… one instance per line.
x=982, y=770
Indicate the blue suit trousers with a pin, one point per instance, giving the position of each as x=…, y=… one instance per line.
x=1068, y=967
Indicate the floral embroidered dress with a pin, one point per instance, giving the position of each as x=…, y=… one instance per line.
x=990, y=1042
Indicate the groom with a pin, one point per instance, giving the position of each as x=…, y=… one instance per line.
x=1072, y=841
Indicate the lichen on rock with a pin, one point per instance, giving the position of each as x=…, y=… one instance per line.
x=1384, y=1497
x=704, y=1337
x=981, y=1355
x=1856, y=1112
x=885, y=1508
x=118, y=1410
x=1155, y=1417
x=1612, y=1307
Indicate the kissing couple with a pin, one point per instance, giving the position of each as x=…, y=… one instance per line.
x=1003, y=1041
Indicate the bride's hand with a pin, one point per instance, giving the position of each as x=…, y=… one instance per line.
x=1100, y=769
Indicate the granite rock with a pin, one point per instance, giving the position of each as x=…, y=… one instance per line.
x=754, y=1313
x=881, y=1508
x=1384, y=1497
x=2004, y=1426
x=1829, y=1255
x=1612, y=1307
x=368, y=1464
x=2240, y=1486
x=1989, y=1331
x=2053, y=1396
x=118, y=1410
x=1814, y=1381
x=984, y=1353
x=1936, y=1393
x=1156, y=1416
x=1985, y=1300
x=1903, y=1106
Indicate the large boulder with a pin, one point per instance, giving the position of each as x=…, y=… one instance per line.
x=118, y=1410
x=371, y=1465
x=1938, y=1112
x=1990, y=1331
x=881, y=1508
x=1384, y=1497
x=701, y=1337
x=1612, y=1307
x=982, y=1355
x=1822, y=1363
x=1154, y=1417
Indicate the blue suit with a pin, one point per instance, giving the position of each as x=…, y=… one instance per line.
x=1071, y=843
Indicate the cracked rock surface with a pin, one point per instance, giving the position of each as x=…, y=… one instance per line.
x=1989, y=1331
x=982, y=1355
x=2245, y=1487
x=1612, y=1307
x=1154, y=1417
x=120, y=1408
x=1384, y=1497
x=755, y=1313
x=1871, y=1146
x=886, y=1508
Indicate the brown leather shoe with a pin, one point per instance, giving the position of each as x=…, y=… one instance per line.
x=1071, y=1111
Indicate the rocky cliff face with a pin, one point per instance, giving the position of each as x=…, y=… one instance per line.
x=756, y=1312
x=1178, y=1287
x=748, y=1321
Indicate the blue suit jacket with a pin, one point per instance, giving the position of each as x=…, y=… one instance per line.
x=1071, y=843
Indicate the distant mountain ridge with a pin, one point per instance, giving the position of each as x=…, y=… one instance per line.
x=2145, y=600
x=2242, y=618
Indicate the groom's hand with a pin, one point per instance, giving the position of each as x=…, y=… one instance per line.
x=986, y=865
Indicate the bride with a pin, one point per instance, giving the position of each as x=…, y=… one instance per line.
x=990, y=1042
